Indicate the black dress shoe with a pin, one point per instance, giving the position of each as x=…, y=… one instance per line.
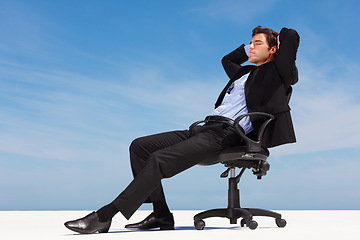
x=164, y=223
x=88, y=224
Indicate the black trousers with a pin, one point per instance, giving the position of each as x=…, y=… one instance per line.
x=166, y=154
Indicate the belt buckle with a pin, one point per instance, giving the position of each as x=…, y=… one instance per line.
x=207, y=119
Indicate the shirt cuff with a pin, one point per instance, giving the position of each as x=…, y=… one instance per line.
x=247, y=49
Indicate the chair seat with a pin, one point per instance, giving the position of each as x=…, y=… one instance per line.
x=237, y=157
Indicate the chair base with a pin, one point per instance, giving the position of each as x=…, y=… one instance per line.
x=233, y=214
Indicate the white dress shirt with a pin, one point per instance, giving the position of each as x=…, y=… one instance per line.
x=234, y=104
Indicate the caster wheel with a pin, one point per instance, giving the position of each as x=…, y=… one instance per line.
x=199, y=225
x=243, y=222
x=253, y=225
x=280, y=222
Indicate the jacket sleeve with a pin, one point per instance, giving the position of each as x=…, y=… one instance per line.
x=286, y=55
x=232, y=61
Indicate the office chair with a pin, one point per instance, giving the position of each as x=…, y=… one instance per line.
x=252, y=155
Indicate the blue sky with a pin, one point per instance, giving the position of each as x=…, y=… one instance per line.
x=79, y=80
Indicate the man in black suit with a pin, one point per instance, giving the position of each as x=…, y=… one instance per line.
x=263, y=87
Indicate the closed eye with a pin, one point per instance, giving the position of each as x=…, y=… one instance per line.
x=257, y=42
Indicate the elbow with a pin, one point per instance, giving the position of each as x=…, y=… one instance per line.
x=224, y=60
x=289, y=34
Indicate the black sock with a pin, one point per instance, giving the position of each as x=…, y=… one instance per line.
x=161, y=209
x=107, y=212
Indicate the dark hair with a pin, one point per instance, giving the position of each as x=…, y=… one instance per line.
x=271, y=35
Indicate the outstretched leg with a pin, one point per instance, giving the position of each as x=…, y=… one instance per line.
x=166, y=162
x=140, y=150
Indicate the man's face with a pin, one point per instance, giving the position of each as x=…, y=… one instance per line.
x=259, y=50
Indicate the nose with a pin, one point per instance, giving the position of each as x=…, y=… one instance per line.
x=251, y=46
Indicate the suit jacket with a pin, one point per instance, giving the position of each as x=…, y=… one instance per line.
x=268, y=87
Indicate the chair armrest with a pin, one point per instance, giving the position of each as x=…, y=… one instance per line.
x=251, y=145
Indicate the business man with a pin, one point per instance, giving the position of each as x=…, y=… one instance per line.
x=263, y=87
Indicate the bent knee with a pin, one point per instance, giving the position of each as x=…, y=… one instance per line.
x=140, y=147
x=134, y=144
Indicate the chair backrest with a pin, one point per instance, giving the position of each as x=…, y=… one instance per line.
x=288, y=94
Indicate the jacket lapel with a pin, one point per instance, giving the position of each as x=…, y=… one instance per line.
x=240, y=73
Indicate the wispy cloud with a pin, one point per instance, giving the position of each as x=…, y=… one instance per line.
x=58, y=115
x=324, y=111
x=326, y=107
x=52, y=114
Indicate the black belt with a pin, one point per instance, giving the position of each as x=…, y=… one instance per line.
x=215, y=119
x=220, y=119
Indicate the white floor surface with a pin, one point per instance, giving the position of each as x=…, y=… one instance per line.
x=340, y=225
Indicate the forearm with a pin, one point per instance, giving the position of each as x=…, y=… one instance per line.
x=286, y=55
x=232, y=61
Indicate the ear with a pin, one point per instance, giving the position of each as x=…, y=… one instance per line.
x=273, y=50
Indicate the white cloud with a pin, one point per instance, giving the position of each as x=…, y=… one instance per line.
x=69, y=117
x=324, y=112
x=326, y=108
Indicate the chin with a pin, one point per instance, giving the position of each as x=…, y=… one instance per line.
x=252, y=61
